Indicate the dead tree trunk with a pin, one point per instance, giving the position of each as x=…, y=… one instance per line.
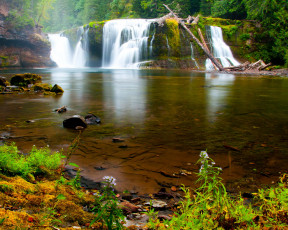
x=204, y=43
x=207, y=52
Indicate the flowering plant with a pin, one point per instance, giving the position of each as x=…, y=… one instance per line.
x=106, y=205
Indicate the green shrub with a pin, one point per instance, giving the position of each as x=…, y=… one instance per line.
x=244, y=37
x=38, y=161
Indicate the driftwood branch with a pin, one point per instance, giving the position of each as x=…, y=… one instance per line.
x=258, y=66
x=206, y=51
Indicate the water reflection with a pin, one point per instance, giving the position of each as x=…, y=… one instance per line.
x=125, y=95
x=217, y=93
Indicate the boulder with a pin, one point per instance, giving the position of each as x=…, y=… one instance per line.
x=25, y=79
x=3, y=81
x=57, y=89
x=91, y=119
x=42, y=87
x=75, y=121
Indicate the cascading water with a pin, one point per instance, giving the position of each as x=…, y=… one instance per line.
x=219, y=48
x=60, y=50
x=192, y=56
x=64, y=55
x=125, y=42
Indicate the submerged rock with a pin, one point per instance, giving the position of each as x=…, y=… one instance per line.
x=57, y=89
x=75, y=121
x=91, y=119
x=61, y=110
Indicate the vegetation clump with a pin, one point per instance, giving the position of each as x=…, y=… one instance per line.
x=38, y=161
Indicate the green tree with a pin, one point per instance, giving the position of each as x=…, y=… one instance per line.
x=230, y=9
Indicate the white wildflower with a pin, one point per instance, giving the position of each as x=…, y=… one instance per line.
x=204, y=154
x=110, y=180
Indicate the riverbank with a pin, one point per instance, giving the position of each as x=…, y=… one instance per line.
x=44, y=198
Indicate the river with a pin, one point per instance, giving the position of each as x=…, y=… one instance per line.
x=165, y=119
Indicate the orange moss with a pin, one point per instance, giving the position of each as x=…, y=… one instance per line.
x=73, y=212
x=19, y=197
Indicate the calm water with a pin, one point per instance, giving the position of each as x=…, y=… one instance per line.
x=166, y=118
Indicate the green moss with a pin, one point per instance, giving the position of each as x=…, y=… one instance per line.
x=173, y=35
x=42, y=87
x=25, y=79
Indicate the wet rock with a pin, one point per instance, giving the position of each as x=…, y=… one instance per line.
x=79, y=128
x=73, y=122
x=127, y=196
x=138, y=220
x=25, y=79
x=157, y=204
x=61, y=110
x=127, y=207
x=91, y=119
x=70, y=173
x=39, y=87
x=117, y=140
x=163, y=194
x=99, y=168
x=164, y=217
x=57, y=89
x=3, y=81
x=30, y=121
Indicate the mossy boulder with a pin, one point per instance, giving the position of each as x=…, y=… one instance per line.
x=25, y=79
x=57, y=89
x=40, y=87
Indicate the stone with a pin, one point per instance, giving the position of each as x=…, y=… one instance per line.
x=128, y=207
x=157, y=204
x=41, y=87
x=117, y=140
x=57, y=89
x=25, y=79
x=61, y=110
x=91, y=119
x=3, y=81
x=73, y=122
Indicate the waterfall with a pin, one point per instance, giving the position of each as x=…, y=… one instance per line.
x=60, y=50
x=125, y=42
x=219, y=48
x=64, y=55
x=192, y=55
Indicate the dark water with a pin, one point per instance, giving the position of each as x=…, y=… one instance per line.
x=166, y=118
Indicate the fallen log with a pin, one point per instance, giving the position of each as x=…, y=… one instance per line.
x=256, y=66
x=207, y=52
x=204, y=43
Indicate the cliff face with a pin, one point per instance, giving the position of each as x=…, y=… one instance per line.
x=22, y=46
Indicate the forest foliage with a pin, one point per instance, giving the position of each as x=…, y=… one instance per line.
x=57, y=15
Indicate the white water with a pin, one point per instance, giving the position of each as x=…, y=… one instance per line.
x=193, y=56
x=63, y=54
x=125, y=42
x=220, y=49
